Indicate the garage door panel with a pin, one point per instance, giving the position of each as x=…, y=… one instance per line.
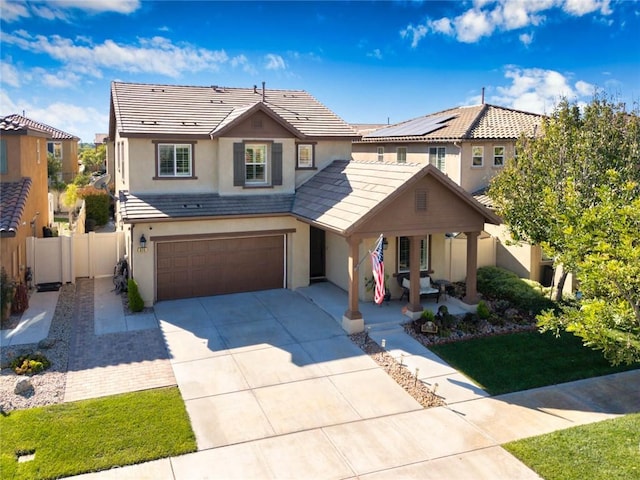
x=222, y=266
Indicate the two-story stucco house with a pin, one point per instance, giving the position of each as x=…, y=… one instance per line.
x=62, y=145
x=470, y=145
x=224, y=190
x=23, y=191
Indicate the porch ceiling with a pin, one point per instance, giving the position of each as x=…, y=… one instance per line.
x=364, y=198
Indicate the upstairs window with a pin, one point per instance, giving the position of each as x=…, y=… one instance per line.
x=305, y=156
x=436, y=157
x=401, y=155
x=477, y=154
x=175, y=160
x=381, y=154
x=255, y=163
x=498, y=156
x=55, y=148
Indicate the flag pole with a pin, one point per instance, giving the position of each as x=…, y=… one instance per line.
x=364, y=257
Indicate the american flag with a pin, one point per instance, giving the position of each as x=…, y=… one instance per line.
x=377, y=265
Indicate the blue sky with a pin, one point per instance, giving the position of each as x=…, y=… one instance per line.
x=370, y=62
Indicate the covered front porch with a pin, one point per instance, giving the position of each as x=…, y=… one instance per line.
x=357, y=202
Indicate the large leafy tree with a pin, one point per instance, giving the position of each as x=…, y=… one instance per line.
x=93, y=157
x=604, y=241
x=573, y=146
x=575, y=190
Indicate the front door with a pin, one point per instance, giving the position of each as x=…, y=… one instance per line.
x=317, y=255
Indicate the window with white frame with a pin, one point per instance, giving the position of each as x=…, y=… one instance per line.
x=255, y=163
x=174, y=160
x=498, y=156
x=437, y=157
x=404, y=254
x=477, y=156
x=56, y=149
x=381, y=154
x=305, y=155
x=401, y=154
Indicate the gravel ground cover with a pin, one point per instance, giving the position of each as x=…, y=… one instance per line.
x=48, y=386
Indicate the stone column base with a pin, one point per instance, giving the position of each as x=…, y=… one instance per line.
x=352, y=325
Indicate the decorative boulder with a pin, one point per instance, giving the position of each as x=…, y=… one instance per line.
x=23, y=385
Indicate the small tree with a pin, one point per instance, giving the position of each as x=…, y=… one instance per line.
x=93, y=157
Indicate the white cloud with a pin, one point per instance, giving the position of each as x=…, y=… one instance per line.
x=64, y=9
x=538, y=90
x=243, y=62
x=60, y=79
x=416, y=34
x=9, y=75
x=375, y=53
x=526, y=38
x=12, y=11
x=155, y=55
x=274, y=62
x=485, y=17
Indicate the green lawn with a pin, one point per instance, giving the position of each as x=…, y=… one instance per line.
x=73, y=438
x=607, y=450
x=509, y=363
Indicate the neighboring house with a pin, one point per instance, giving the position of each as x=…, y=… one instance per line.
x=224, y=190
x=62, y=145
x=470, y=145
x=23, y=191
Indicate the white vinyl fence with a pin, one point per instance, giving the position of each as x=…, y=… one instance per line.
x=64, y=258
x=456, y=255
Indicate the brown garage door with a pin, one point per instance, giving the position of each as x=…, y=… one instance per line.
x=214, y=267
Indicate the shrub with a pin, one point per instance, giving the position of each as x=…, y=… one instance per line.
x=136, y=304
x=483, y=310
x=30, y=364
x=498, y=283
x=97, y=205
x=428, y=316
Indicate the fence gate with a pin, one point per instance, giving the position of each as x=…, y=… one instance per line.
x=64, y=258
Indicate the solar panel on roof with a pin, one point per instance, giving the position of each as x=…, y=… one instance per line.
x=418, y=126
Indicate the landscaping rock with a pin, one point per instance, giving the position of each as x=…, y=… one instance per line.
x=23, y=385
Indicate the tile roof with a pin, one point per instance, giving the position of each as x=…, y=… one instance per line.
x=145, y=109
x=460, y=123
x=482, y=197
x=343, y=194
x=171, y=206
x=13, y=198
x=53, y=133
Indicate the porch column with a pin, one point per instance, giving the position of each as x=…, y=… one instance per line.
x=352, y=321
x=472, y=297
x=414, y=307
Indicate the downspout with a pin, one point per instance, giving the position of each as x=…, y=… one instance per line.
x=130, y=262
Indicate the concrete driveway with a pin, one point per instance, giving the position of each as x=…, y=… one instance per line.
x=275, y=389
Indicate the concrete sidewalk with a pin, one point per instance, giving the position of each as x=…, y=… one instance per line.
x=35, y=321
x=275, y=390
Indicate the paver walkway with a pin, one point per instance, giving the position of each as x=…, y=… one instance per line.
x=112, y=363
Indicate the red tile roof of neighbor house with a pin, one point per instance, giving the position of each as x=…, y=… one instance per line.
x=144, y=109
x=461, y=123
x=13, y=198
x=52, y=133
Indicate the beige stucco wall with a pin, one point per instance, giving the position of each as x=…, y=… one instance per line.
x=143, y=263
x=326, y=151
x=473, y=178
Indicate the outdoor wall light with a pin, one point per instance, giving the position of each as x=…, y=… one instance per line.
x=143, y=244
x=385, y=243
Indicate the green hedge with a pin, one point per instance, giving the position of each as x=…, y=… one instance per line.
x=497, y=283
x=97, y=205
x=136, y=304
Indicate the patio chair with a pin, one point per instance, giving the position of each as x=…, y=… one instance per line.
x=427, y=288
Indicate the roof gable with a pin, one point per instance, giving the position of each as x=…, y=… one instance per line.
x=243, y=113
x=346, y=195
x=52, y=133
